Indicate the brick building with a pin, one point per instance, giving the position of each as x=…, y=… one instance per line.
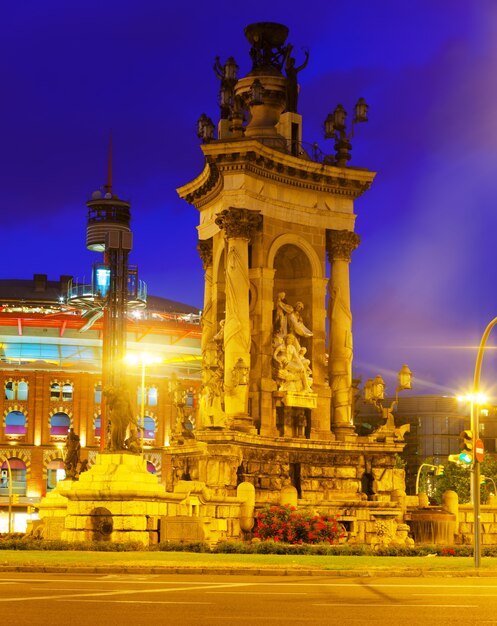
x=50, y=373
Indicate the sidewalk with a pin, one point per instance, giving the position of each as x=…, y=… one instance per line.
x=266, y=565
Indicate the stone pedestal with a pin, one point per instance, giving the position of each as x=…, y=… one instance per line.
x=117, y=500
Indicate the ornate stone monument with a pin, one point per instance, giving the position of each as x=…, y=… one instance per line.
x=276, y=215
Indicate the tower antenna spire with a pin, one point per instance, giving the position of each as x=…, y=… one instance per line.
x=108, y=186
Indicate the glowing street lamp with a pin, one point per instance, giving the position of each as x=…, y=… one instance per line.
x=476, y=400
x=143, y=359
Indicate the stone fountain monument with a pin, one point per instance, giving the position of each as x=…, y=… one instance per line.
x=274, y=422
x=277, y=400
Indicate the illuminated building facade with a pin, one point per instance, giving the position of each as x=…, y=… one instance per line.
x=51, y=376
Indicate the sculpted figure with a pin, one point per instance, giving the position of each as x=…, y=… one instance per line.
x=73, y=449
x=292, y=87
x=294, y=374
x=121, y=416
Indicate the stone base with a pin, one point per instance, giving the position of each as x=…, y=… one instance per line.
x=117, y=500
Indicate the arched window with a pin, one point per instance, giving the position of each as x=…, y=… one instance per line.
x=9, y=390
x=152, y=396
x=55, y=391
x=59, y=424
x=67, y=392
x=15, y=423
x=60, y=391
x=55, y=472
x=98, y=423
x=16, y=390
x=149, y=425
x=22, y=390
x=18, y=469
x=151, y=468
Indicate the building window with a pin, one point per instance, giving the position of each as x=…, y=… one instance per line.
x=190, y=398
x=59, y=424
x=55, y=472
x=98, y=423
x=15, y=423
x=60, y=391
x=98, y=394
x=9, y=391
x=22, y=390
x=18, y=470
x=67, y=392
x=152, y=396
x=16, y=390
x=149, y=428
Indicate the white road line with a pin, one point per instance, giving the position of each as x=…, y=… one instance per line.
x=394, y=605
x=111, y=593
x=259, y=593
x=364, y=583
x=138, y=601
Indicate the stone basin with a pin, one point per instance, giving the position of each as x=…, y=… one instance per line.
x=432, y=526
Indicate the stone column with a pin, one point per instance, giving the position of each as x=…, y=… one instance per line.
x=239, y=225
x=204, y=248
x=339, y=245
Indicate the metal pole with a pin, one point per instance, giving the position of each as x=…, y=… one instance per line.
x=9, y=471
x=475, y=428
x=143, y=404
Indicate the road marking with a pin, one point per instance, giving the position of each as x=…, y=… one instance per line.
x=394, y=605
x=137, y=601
x=260, y=593
x=113, y=593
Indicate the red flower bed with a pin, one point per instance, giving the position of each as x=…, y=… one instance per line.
x=286, y=524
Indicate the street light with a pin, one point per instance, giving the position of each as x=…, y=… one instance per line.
x=9, y=471
x=143, y=359
x=335, y=128
x=475, y=428
x=439, y=470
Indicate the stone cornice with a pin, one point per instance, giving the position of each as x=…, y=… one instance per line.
x=253, y=157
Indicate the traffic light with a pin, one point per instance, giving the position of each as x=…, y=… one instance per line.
x=467, y=447
x=465, y=457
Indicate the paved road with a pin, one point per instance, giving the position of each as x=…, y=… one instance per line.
x=214, y=600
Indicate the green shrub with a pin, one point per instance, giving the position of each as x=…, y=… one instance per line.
x=180, y=546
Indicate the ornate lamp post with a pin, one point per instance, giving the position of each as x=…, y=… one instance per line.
x=335, y=128
x=374, y=393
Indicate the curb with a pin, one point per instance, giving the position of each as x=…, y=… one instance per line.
x=246, y=571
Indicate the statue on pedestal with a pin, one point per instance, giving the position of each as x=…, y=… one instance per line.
x=291, y=367
x=73, y=449
x=121, y=417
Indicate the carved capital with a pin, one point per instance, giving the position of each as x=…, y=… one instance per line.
x=340, y=244
x=239, y=223
x=204, y=248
